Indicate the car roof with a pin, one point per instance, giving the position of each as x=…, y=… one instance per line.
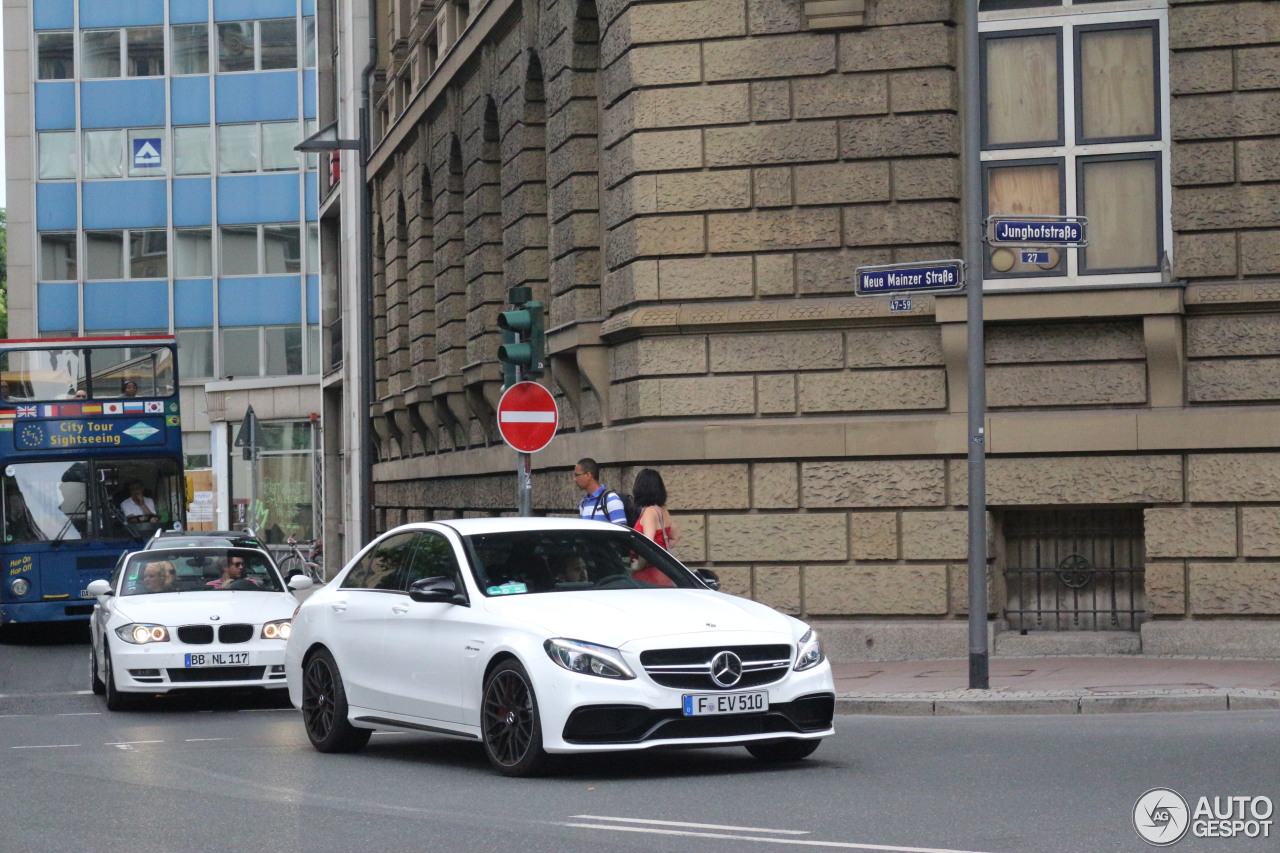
x=509, y=524
x=175, y=538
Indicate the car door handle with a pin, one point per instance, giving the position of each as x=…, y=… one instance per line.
x=399, y=608
x=339, y=607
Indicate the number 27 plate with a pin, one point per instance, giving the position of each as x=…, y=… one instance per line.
x=216, y=659
x=705, y=704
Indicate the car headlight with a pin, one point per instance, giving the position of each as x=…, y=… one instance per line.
x=141, y=633
x=808, y=651
x=20, y=587
x=588, y=658
x=277, y=630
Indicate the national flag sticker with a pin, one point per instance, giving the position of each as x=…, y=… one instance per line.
x=113, y=408
x=172, y=420
x=153, y=407
x=26, y=411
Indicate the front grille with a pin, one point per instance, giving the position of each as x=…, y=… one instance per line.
x=600, y=724
x=196, y=635
x=235, y=633
x=217, y=673
x=690, y=669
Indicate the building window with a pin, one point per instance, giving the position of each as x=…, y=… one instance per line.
x=191, y=147
x=106, y=153
x=148, y=255
x=57, y=155
x=195, y=353
x=266, y=147
x=261, y=249
x=193, y=252
x=190, y=48
x=55, y=55
x=58, y=256
x=1074, y=124
x=284, y=504
x=128, y=52
x=309, y=41
x=258, y=45
x=104, y=255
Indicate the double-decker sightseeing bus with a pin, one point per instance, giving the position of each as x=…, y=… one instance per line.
x=90, y=465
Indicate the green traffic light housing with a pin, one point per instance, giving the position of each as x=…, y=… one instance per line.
x=524, y=340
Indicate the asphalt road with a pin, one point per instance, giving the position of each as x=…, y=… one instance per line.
x=237, y=774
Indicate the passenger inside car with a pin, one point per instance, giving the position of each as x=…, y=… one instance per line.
x=158, y=577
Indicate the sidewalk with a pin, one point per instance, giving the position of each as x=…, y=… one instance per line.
x=1059, y=685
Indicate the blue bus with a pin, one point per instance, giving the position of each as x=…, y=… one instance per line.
x=90, y=465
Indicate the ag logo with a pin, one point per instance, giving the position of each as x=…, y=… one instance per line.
x=1161, y=817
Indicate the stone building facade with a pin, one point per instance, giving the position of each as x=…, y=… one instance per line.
x=690, y=186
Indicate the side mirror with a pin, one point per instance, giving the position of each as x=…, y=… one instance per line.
x=99, y=588
x=300, y=581
x=710, y=578
x=440, y=588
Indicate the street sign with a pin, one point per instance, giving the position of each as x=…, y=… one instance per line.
x=1065, y=231
x=527, y=417
x=1035, y=256
x=891, y=279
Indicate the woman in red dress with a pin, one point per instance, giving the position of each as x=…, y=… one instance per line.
x=650, y=494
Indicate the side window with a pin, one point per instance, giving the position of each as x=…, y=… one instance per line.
x=434, y=558
x=382, y=567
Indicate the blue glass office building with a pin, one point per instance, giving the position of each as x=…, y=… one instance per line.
x=154, y=186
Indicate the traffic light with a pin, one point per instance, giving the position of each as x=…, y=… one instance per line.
x=523, y=337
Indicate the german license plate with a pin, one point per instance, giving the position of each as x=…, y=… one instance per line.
x=216, y=659
x=706, y=704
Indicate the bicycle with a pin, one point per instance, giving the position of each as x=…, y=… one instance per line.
x=308, y=564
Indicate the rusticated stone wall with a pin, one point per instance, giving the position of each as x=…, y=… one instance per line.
x=689, y=186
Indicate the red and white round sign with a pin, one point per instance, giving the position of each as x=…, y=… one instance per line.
x=527, y=417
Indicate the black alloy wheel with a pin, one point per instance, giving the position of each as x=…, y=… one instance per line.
x=324, y=707
x=509, y=722
x=779, y=751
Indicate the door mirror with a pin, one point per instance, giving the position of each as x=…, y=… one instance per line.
x=710, y=578
x=99, y=588
x=439, y=588
x=300, y=581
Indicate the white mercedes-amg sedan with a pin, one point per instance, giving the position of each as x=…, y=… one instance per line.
x=541, y=636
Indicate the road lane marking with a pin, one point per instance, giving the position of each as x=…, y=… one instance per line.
x=804, y=842
x=130, y=742
x=47, y=746
x=82, y=714
x=693, y=825
x=42, y=695
x=202, y=739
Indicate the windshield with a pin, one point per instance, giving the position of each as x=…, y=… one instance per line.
x=84, y=499
x=88, y=373
x=513, y=563
x=203, y=570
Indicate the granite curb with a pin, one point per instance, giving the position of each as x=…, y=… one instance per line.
x=997, y=701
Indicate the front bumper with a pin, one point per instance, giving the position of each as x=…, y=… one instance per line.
x=583, y=713
x=152, y=668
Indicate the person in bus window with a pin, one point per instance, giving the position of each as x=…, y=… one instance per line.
x=138, y=507
x=130, y=388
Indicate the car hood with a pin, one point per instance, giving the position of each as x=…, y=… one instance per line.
x=198, y=608
x=621, y=616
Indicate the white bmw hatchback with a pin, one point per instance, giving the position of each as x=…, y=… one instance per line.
x=540, y=636
x=189, y=618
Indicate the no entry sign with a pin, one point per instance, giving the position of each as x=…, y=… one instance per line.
x=527, y=417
